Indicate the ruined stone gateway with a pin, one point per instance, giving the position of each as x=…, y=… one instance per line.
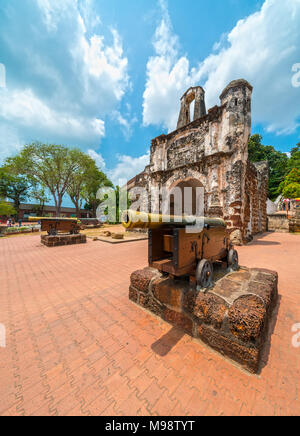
x=212, y=152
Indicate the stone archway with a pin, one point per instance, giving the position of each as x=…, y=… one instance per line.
x=192, y=199
x=194, y=95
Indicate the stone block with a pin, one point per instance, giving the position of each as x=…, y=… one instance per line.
x=117, y=236
x=189, y=299
x=133, y=294
x=210, y=309
x=231, y=317
x=248, y=357
x=247, y=319
x=105, y=233
x=61, y=239
x=168, y=292
x=141, y=279
x=179, y=320
x=148, y=302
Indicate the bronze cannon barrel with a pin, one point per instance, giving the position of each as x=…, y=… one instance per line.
x=142, y=220
x=36, y=219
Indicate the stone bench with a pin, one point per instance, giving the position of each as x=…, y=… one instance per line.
x=232, y=317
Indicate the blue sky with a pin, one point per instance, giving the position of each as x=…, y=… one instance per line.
x=107, y=76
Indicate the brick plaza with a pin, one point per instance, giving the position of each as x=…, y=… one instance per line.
x=75, y=345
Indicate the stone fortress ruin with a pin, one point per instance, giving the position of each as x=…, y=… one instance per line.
x=212, y=152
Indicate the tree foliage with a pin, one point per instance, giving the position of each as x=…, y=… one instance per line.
x=97, y=179
x=40, y=197
x=294, y=161
x=48, y=165
x=290, y=187
x=59, y=170
x=7, y=209
x=278, y=162
x=13, y=186
x=79, y=186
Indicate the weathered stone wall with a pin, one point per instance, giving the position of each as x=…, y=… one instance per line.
x=278, y=222
x=255, y=199
x=294, y=223
x=232, y=317
x=212, y=152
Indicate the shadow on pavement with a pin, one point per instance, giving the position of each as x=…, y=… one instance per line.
x=165, y=344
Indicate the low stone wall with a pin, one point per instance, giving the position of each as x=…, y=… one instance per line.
x=278, y=223
x=232, y=317
x=294, y=223
x=59, y=240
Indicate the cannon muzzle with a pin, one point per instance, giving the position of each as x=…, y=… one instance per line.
x=142, y=220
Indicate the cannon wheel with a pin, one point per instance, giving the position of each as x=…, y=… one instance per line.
x=204, y=274
x=233, y=260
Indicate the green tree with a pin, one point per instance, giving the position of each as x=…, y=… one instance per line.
x=7, y=209
x=294, y=161
x=97, y=180
x=82, y=179
x=290, y=187
x=291, y=191
x=13, y=186
x=278, y=162
x=39, y=196
x=48, y=165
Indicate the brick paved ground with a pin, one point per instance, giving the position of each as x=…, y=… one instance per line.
x=76, y=345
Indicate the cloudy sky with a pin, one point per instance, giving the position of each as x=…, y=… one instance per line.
x=107, y=76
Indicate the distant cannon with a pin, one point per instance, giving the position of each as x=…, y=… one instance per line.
x=55, y=225
x=175, y=251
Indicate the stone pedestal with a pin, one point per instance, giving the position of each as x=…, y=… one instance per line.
x=232, y=317
x=59, y=240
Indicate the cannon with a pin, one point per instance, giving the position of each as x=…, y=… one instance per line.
x=55, y=225
x=175, y=251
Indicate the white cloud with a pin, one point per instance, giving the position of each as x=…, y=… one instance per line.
x=104, y=65
x=125, y=123
x=25, y=109
x=100, y=162
x=261, y=48
x=167, y=77
x=68, y=80
x=10, y=142
x=127, y=168
x=101, y=67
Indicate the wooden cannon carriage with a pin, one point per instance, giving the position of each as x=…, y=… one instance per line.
x=53, y=226
x=178, y=252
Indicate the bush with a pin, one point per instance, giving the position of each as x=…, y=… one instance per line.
x=292, y=190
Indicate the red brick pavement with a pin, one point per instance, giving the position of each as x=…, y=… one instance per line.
x=77, y=346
